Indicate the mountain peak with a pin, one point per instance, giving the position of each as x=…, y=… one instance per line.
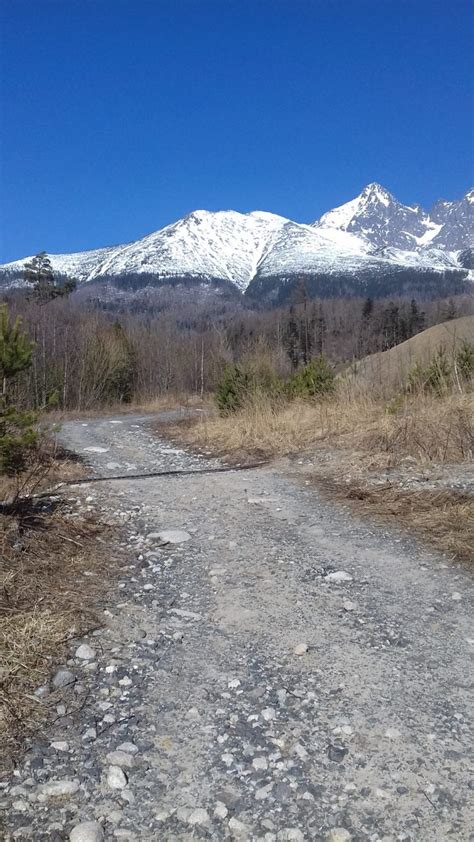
x=376, y=189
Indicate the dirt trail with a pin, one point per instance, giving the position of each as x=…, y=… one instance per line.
x=228, y=733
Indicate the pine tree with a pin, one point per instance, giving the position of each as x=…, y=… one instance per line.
x=367, y=308
x=17, y=435
x=39, y=273
x=416, y=318
x=15, y=348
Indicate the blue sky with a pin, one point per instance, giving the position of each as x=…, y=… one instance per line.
x=119, y=117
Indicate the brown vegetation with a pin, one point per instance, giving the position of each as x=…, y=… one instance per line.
x=50, y=580
x=355, y=443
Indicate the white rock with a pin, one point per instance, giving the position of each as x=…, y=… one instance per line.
x=20, y=806
x=163, y=815
x=60, y=745
x=268, y=714
x=56, y=789
x=238, y=829
x=220, y=810
x=85, y=652
x=199, y=816
x=171, y=536
x=392, y=734
x=300, y=751
x=300, y=649
x=456, y=596
x=338, y=576
x=290, y=834
x=120, y=758
x=193, y=714
x=63, y=678
x=348, y=605
x=339, y=834
x=130, y=748
x=116, y=779
x=263, y=792
x=260, y=763
x=96, y=449
x=87, y=832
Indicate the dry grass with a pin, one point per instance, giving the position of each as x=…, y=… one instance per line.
x=427, y=429
x=50, y=579
x=353, y=439
x=445, y=518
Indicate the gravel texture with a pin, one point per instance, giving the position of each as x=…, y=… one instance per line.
x=242, y=687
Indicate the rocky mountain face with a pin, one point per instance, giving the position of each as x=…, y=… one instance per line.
x=379, y=219
x=373, y=245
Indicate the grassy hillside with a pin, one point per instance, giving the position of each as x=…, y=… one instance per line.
x=387, y=371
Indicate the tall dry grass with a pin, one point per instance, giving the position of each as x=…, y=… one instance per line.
x=423, y=427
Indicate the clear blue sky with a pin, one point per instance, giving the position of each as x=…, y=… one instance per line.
x=119, y=117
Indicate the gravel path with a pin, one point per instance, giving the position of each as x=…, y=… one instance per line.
x=282, y=672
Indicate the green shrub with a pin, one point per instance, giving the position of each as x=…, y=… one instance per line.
x=316, y=378
x=465, y=361
x=435, y=378
x=242, y=382
x=232, y=389
x=438, y=374
x=18, y=439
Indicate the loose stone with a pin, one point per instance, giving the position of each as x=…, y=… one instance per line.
x=268, y=714
x=85, y=652
x=60, y=745
x=220, y=810
x=171, y=536
x=87, y=832
x=290, y=834
x=120, y=758
x=392, y=734
x=300, y=649
x=238, y=829
x=56, y=789
x=116, y=778
x=339, y=834
x=338, y=576
x=348, y=605
x=129, y=748
x=63, y=678
x=199, y=816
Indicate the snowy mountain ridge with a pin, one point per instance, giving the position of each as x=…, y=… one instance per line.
x=370, y=233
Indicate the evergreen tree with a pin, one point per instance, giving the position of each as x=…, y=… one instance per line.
x=17, y=435
x=367, y=308
x=315, y=379
x=416, y=318
x=39, y=273
x=291, y=338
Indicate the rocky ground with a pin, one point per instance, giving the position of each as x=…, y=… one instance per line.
x=270, y=668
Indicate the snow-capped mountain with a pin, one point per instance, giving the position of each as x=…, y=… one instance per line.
x=379, y=219
x=370, y=237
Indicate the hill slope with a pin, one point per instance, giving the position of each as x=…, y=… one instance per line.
x=387, y=371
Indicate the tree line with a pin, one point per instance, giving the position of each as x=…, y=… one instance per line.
x=84, y=357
